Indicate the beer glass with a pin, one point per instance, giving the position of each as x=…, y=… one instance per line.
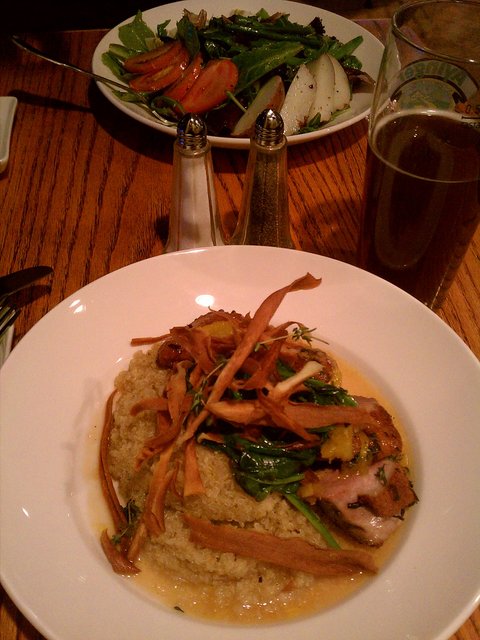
x=422, y=187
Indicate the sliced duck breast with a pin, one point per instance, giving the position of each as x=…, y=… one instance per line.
x=368, y=506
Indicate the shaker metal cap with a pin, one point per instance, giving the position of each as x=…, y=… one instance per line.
x=269, y=128
x=192, y=132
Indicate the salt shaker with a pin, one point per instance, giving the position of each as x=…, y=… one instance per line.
x=263, y=217
x=194, y=219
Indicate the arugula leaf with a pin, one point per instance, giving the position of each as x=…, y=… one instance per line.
x=187, y=32
x=135, y=34
x=112, y=61
x=162, y=29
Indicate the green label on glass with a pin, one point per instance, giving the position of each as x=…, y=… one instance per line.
x=434, y=84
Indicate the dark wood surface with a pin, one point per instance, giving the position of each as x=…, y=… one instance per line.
x=87, y=191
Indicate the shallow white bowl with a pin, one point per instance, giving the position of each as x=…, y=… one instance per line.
x=54, y=385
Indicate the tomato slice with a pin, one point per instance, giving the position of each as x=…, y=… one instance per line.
x=157, y=80
x=180, y=88
x=210, y=88
x=154, y=60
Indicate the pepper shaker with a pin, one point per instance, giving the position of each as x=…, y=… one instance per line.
x=264, y=216
x=194, y=218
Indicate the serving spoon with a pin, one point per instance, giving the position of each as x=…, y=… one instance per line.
x=90, y=74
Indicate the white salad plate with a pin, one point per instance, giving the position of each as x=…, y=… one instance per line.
x=53, y=390
x=369, y=52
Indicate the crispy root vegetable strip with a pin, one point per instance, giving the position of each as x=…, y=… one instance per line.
x=120, y=564
x=260, y=378
x=138, y=342
x=166, y=432
x=254, y=331
x=170, y=413
x=149, y=404
x=137, y=541
x=196, y=376
x=240, y=411
x=192, y=484
x=176, y=390
x=312, y=415
x=279, y=418
x=196, y=343
x=114, y=506
x=292, y=553
x=368, y=417
x=153, y=513
x=259, y=322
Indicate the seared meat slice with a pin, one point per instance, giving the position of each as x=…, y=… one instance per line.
x=385, y=438
x=368, y=506
x=396, y=496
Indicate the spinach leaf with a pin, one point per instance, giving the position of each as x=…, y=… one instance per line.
x=257, y=62
x=323, y=393
x=263, y=467
x=318, y=392
x=280, y=30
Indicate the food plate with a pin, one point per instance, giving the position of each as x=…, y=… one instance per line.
x=56, y=380
x=369, y=52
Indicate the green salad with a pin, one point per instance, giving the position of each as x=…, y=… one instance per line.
x=230, y=68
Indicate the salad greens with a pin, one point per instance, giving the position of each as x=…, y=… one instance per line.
x=261, y=45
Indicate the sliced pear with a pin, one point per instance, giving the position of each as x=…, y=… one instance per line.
x=342, y=94
x=298, y=100
x=270, y=96
x=324, y=74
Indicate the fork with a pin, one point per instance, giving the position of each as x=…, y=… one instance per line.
x=112, y=84
x=8, y=315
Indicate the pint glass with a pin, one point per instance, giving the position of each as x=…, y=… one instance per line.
x=422, y=186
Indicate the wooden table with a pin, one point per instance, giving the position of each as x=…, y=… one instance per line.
x=87, y=191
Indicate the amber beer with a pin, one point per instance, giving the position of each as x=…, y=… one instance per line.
x=421, y=201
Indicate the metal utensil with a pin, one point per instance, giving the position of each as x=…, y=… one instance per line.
x=13, y=282
x=8, y=316
x=110, y=83
x=10, y=284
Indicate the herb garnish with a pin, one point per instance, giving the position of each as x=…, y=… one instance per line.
x=132, y=513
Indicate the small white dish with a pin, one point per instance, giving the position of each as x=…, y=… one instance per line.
x=369, y=53
x=8, y=106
